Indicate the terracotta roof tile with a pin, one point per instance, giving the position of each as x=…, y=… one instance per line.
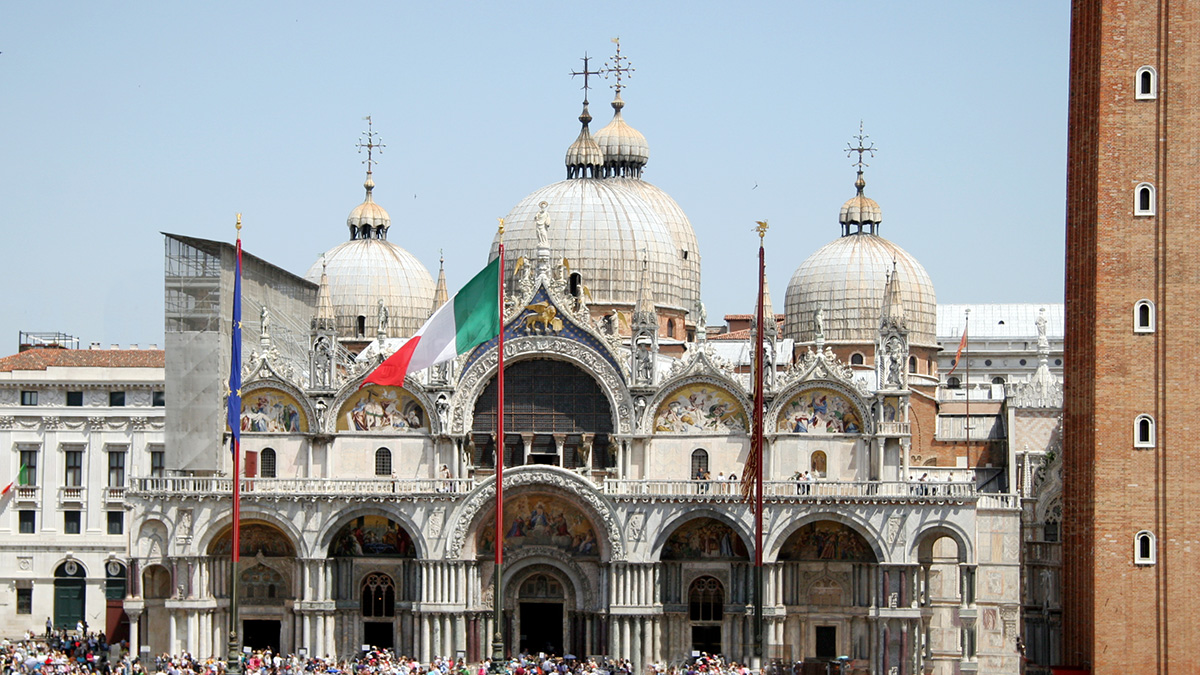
x=41, y=359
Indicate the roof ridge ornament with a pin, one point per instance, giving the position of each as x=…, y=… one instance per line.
x=618, y=71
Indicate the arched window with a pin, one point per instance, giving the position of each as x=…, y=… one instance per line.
x=953, y=383
x=576, y=284
x=997, y=380
x=361, y=327
x=706, y=600
x=378, y=595
x=383, y=462
x=856, y=359
x=912, y=364
x=819, y=463
x=1144, y=552
x=266, y=463
x=1146, y=83
x=1143, y=316
x=1143, y=200
x=1143, y=432
x=114, y=581
x=699, y=462
x=670, y=328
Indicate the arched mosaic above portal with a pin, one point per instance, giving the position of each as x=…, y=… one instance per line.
x=704, y=539
x=699, y=408
x=827, y=540
x=372, y=536
x=540, y=520
x=382, y=409
x=255, y=538
x=273, y=411
x=819, y=411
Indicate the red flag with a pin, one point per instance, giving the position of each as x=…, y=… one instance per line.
x=958, y=356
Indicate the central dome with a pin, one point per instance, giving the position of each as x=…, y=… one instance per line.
x=605, y=231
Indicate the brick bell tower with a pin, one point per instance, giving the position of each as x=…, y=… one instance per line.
x=1132, y=456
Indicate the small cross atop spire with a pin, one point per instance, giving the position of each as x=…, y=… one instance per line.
x=370, y=145
x=585, y=73
x=861, y=149
x=614, y=66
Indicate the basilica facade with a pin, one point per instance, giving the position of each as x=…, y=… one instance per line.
x=367, y=513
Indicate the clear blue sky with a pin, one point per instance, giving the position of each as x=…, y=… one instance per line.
x=121, y=120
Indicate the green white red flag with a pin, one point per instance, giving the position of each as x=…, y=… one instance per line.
x=469, y=319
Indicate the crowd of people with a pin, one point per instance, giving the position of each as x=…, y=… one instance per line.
x=79, y=652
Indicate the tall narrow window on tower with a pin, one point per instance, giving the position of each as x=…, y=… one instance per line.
x=1143, y=432
x=1146, y=84
x=1143, y=316
x=1144, y=552
x=1143, y=200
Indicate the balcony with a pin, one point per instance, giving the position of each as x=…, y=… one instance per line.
x=27, y=494
x=72, y=494
x=114, y=495
x=894, y=428
x=786, y=491
x=301, y=488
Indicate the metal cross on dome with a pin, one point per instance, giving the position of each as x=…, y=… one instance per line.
x=370, y=145
x=614, y=66
x=585, y=73
x=861, y=149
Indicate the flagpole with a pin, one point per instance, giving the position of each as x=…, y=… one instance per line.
x=967, y=346
x=497, y=613
x=234, y=665
x=757, y=448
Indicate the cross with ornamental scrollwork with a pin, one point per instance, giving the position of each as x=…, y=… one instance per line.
x=861, y=149
x=371, y=145
x=617, y=69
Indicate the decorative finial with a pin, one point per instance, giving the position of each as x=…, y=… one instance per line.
x=501, y=226
x=322, y=263
x=370, y=145
x=761, y=228
x=441, y=257
x=861, y=150
x=618, y=71
x=586, y=73
x=239, y=224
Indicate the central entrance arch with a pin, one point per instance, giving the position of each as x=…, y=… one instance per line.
x=540, y=602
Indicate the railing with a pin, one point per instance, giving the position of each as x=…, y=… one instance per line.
x=710, y=489
x=221, y=486
x=998, y=501
x=114, y=495
x=72, y=494
x=894, y=428
x=1043, y=552
x=27, y=493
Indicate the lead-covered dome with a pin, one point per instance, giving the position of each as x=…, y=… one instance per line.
x=369, y=268
x=847, y=278
x=604, y=230
x=687, y=248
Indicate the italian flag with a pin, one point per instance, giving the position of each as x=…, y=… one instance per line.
x=471, y=318
x=20, y=477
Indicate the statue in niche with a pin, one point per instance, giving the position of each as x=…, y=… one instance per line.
x=443, y=412
x=645, y=362
x=895, y=361
x=321, y=407
x=541, y=225
x=384, y=318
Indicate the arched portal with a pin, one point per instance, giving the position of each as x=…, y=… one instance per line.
x=541, y=626
x=116, y=622
x=265, y=582
x=69, y=598
x=706, y=612
x=555, y=413
x=373, y=564
x=830, y=575
x=378, y=608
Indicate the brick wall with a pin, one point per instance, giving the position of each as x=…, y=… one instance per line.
x=1118, y=616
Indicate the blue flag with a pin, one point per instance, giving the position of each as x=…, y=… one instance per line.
x=235, y=354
